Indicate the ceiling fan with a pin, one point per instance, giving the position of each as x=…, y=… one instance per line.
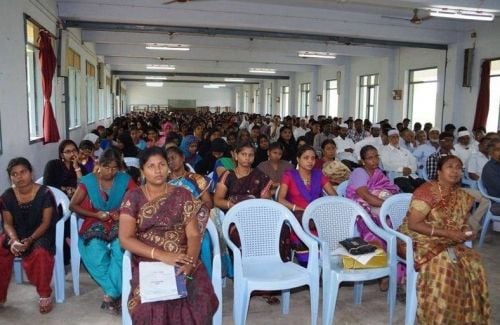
x=415, y=19
x=174, y=1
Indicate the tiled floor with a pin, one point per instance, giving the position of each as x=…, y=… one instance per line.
x=21, y=307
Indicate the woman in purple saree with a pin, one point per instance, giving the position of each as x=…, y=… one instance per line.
x=369, y=187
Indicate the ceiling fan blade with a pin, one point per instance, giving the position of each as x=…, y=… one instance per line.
x=394, y=17
x=169, y=2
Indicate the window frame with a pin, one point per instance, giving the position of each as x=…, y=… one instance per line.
x=37, y=88
x=327, y=110
x=285, y=100
x=269, y=100
x=372, y=89
x=305, y=99
x=91, y=89
x=491, y=79
x=410, y=90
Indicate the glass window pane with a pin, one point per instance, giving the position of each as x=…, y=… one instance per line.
x=492, y=123
x=422, y=94
x=426, y=75
x=495, y=67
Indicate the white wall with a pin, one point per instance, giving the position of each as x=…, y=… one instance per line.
x=138, y=93
x=13, y=95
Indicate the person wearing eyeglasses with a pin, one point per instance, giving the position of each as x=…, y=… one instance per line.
x=64, y=173
x=97, y=200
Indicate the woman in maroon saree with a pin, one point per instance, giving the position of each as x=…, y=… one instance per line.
x=160, y=222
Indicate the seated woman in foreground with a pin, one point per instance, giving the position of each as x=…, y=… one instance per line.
x=161, y=222
x=29, y=216
x=451, y=287
x=97, y=201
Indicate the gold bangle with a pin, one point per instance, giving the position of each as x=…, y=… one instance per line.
x=153, y=253
x=432, y=231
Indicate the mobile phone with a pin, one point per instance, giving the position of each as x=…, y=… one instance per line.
x=452, y=255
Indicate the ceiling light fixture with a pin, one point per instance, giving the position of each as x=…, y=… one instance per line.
x=167, y=47
x=313, y=54
x=154, y=84
x=156, y=78
x=160, y=67
x=262, y=70
x=234, y=80
x=459, y=13
x=214, y=86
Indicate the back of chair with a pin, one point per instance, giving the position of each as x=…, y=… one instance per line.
x=131, y=162
x=395, y=208
x=216, y=269
x=39, y=181
x=259, y=224
x=342, y=188
x=61, y=199
x=484, y=192
x=334, y=217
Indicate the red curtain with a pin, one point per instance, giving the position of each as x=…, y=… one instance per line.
x=483, y=97
x=48, y=62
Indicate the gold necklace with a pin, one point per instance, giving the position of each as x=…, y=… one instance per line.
x=239, y=175
x=29, y=195
x=148, y=194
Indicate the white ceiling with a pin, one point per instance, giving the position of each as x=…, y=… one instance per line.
x=129, y=24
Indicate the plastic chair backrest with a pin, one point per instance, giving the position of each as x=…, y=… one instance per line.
x=342, y=188
x=395, y=208
x=484, y=192
x=39, y=181
x=259, y=223
x=131, y=161
x=61, y=200
x=190, y=168
x=334, y=217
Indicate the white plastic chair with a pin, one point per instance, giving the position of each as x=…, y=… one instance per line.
x=342, y=188
x=216, y=277
x=469, y=182
x=39, y=181
x=258, y=265
x=335, y=220
x=61, y=200
x=190, y=168
x=395, y=208
x=131, y=161
x=489, y=217
x=75, y=225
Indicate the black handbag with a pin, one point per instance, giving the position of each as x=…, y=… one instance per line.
x=357, y=246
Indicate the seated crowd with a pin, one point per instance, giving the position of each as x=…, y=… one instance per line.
x=188, y=164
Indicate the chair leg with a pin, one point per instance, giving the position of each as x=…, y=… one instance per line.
x=411, y=299
x=358, y=292
x=486, y=224
x=330, y=292
x=18, y=271
x=285, y=301
x=391, y=295
x=59, y=278
x=240, y=303
x=314, y=292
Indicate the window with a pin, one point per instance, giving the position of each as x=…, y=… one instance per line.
x=305, y=94
x=332, y=98
x=493, y=121
x=74, y=89
x=245, y=102
x=285, y=100
x=33, y=81
x=237, y=102
x=422, y=92
x=256, y=102
x=91, y=84
x=368, y=97
x=269, y=101
x=109, y=98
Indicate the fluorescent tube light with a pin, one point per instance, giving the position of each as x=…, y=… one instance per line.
x=156, y=78
x=214, y=86
x=468, y=14
x=160, y=67
x=262, y=70
x=167, y=47
x=234, y=79
x=154, y=84
x=313, y=54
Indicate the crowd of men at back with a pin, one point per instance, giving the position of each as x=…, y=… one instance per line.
x=157, y=207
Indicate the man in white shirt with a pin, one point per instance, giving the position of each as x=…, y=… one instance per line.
x=463, y=148
x=400, y=163
x=275, y=128
x=301, y=130
x=345, y=148
x=374, y=139
x=478, y=160
x=423, y=150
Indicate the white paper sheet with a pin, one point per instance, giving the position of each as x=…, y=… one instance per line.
x=157, y=282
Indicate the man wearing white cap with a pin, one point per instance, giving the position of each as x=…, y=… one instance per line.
x=400, y=163
x=463, y=148
x=345, y=147
x=374, y=139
